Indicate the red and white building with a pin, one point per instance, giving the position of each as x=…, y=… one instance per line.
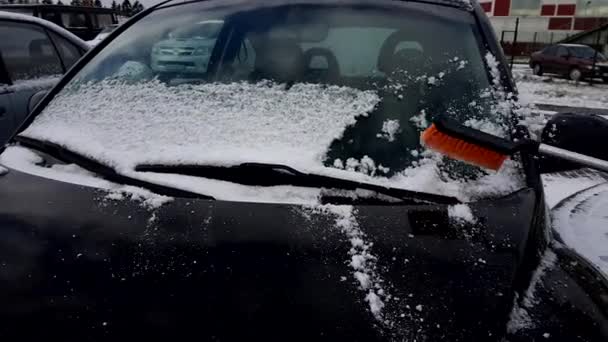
x=545, y=21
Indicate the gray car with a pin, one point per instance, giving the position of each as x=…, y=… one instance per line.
x=34, y=54
x=186, y=50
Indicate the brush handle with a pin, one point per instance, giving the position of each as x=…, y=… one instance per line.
x=594, y=163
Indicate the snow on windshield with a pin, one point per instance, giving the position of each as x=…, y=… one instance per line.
x=126, y=124
x=123, y=124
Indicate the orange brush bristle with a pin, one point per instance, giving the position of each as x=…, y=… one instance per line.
x=462, y=150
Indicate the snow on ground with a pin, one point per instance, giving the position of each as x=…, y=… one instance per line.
x=557, y=91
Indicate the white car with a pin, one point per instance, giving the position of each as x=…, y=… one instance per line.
x=186, y=50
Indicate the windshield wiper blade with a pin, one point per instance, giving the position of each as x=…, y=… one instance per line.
x=262, y=174
x=70, y=157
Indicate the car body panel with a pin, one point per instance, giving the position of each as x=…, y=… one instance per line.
x=85, y=265
x=221, y=263
x=7, y=117
x=82, y=265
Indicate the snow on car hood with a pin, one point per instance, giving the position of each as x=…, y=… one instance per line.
x=125, y=124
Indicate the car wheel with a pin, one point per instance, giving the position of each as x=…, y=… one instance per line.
x=575, y=74
x=537, y=69
x=605, y=79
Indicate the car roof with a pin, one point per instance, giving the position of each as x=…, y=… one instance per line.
x=46, y=24
x=574, y=45
x=54, y=6
x=461, y=4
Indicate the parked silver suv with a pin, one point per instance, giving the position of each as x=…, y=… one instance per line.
x=186, y=50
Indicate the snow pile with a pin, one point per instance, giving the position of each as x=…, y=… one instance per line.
x=532, y=118
x=389, y=129
x=148, y=199
x=362, y=261
x=25, y=160
x=520, y=318
x=39, y=83
x=581, y=223
x=461, y=213
x=365, y=166
x=213, y=124
x=503, y=107
x=486, y=126
x=227, y=191
x=426, y=175
x=420, y=120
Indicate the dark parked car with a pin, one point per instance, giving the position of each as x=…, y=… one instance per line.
x=34, y=54
x=282, y=194
x=573, y=61
x=85, y=22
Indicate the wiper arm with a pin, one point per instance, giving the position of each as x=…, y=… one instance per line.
x=70, y=157
x=261, y=174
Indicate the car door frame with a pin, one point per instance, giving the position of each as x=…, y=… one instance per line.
x=548, y=59
x=562, y=62
x=7, y=114
x=17, y=119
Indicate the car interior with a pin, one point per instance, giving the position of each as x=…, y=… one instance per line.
x=403, y=62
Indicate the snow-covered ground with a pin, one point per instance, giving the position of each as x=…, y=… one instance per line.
x=579, y=220
x=550, y=90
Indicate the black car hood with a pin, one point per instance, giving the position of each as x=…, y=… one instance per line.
x=76, y=266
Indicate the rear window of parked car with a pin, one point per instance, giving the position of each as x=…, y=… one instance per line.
x=31, y=56
x=585, y=52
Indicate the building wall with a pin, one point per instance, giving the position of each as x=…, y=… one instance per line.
x=544, y=21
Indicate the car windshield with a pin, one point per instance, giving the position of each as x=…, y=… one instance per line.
x=586, y=53
x=338, y=90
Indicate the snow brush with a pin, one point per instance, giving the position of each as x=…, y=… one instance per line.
x=472, y=146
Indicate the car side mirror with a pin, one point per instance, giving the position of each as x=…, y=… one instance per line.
x=35, y=99
x=581, y=133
